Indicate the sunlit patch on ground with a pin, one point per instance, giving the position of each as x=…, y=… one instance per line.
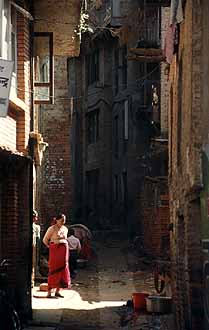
x=71, y=300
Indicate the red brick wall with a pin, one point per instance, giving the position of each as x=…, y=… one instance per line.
x=23, y=76
x=55, y=184
x=15, y=228
x=155, y=216
x=54, y=190
x=15, y=128
x=186, y=129
x=15, y=179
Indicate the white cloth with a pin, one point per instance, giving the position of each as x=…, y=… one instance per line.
x=74, y=243
x=36, y=233
x=176, y=12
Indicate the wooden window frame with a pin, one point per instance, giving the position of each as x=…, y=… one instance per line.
x=92, y=117
x=93, y=64
x=116, y=187
x=50, y=84
x=116, y=136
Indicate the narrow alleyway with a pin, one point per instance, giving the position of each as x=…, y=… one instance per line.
x=100, y=293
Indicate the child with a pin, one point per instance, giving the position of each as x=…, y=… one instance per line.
x=75, y=248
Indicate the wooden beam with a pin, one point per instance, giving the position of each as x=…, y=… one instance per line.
x=163, y=3
x=146, y=51
x=146, y=58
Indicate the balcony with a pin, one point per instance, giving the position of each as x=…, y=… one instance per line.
x=148, y=47
x=160, y=3
x=149, y=102
x=146, y=55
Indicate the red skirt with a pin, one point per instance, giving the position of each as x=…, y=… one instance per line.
x=59, y=274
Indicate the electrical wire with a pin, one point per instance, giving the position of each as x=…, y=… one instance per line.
x=142, y=79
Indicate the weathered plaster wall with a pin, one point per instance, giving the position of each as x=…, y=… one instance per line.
x=185, y=143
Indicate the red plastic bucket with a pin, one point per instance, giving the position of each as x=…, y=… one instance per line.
x=139, y=300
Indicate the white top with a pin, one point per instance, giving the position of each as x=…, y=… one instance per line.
x=74, y=243
x=36, y=233
x=55, y=234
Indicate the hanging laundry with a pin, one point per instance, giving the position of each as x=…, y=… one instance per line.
x=176, y=12
x=170, y=43
x=172, y=35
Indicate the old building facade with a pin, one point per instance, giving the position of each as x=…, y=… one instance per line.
x=38, y=116
x=116, y=89
x=55, y=40
x=15, y=160
x=188, y=167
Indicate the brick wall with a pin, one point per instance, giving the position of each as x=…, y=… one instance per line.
x=62, y=20
x=54, y=178
x=155, y=217
x=15, y=228
x=164, y=97
x=14, y=129
x=185, y=142
x=54, y=190
x=15, y=179
x=23, y=77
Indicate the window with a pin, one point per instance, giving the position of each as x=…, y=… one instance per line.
x=93, y=126
x=116, y=188
x=124, y=187
x=116, y=137
x=150, y=86
x=150, y=26
x=116, y=76
x=92, y=186
x=124, y=66
x=120, y=69
x=93, y=67
x=8, y=32
x=125, y=125
x=43, y=67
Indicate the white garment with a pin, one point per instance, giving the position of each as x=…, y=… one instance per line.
x=176, y=12
x=74, y=243
x=36, y=233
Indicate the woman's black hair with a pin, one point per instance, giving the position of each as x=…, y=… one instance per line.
x=71, y=231
x=60, y=216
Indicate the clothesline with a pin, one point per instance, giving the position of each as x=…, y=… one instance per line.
x=140, y=80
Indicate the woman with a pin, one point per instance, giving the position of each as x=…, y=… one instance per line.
x=56, y=240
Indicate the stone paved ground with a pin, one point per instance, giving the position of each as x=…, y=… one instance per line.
x=98, y=297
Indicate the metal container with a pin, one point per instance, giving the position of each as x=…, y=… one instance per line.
x=159, y=304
